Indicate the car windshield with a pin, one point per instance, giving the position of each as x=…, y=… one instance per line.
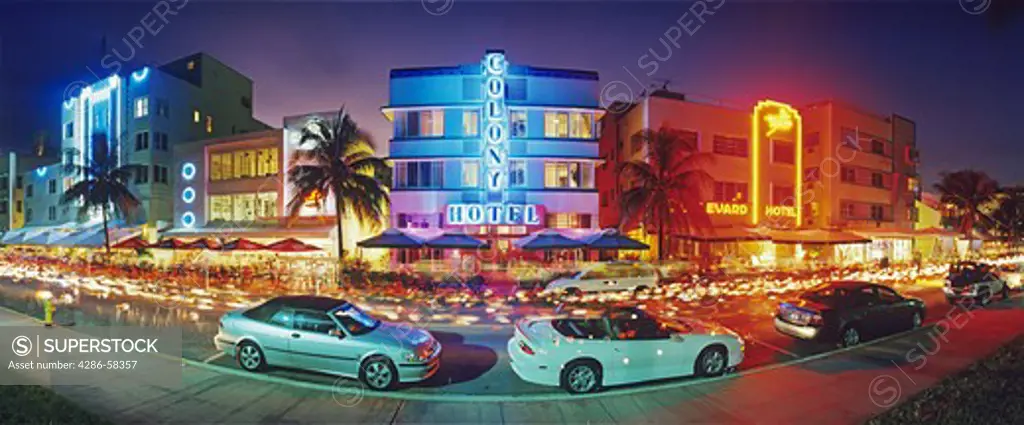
x=356, y=321
x=595, y=328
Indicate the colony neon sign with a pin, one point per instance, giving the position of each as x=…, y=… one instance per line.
x=496, y=131
x=494, y=158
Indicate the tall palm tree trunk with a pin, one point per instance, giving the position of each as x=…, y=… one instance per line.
x=338, y=219
x=106, y=232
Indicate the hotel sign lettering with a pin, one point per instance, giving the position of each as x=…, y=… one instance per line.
x=477, y=214
x=721, y=208
x=495, y=151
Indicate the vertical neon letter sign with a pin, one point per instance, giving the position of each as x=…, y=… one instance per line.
x=771, y=118
x=495, y=149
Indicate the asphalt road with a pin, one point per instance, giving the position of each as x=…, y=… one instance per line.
x=474, y=360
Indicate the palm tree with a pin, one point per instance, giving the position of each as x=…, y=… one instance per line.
x=338, y=159
x=1008, y=217
x=103, y=185
x=666, y=188
x=968, y=192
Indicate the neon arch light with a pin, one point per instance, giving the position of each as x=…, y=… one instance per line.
x=41, y=171
x=778, y=117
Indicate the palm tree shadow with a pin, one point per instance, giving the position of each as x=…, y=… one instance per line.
x=460, y=362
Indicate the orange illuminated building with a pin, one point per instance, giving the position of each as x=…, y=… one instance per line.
x=823, y=166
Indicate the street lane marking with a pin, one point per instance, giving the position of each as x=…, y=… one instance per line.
x=772, y=347
x=214, y=357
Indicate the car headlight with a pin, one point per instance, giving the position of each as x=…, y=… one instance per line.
x=413, y=358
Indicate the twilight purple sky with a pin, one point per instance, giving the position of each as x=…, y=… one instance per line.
x=960, y=77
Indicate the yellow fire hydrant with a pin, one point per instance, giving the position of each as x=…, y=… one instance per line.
x=48, y=307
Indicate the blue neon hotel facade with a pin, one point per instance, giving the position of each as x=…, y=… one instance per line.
x=494, y=148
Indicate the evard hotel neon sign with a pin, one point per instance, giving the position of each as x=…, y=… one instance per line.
x=494, y=158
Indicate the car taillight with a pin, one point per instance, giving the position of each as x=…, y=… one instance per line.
x=526, y=348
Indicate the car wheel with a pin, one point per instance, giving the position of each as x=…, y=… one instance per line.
x=984, y=297
x=573, y=292
x=915, y=320
x=250, y=357
x=378, y=373
x=581, y=377
x=640, y=289
x=850, y=336
x=711, y=361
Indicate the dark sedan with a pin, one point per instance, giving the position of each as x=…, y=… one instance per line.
x=848, y=312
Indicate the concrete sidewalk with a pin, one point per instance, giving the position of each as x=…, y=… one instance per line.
x=846, y=387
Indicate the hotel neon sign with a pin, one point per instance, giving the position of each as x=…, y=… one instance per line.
x=771, y=118
x=494, y=160
x=723, y=208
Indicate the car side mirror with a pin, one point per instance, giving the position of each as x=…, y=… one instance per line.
x=678, y=337
x=336, y=333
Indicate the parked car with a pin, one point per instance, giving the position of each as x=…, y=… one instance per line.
x=974, y=282
x=330, y=336
x=848, y=312
x=1012, y=274
x=607, y=276
x=619, y=346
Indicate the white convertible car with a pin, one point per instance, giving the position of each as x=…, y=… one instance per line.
x=620, y=346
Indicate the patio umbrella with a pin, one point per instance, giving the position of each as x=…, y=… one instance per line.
x=169, y=243
x=203, y=243
x=547, y=239
x=612, y=239
x=292, y=245
x=455, y=240
x=391, y=238
x=132, y=243
x=243, y=244
x=816, y=236
x=13, y=237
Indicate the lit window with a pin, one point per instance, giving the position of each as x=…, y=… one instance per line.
x=470, y=173
x=209, y=124
x=470, y=123
x=141, y=107
x=556, y=125
x=571, y=175
x=191, y=65
x=581, y=125
x=195, y=116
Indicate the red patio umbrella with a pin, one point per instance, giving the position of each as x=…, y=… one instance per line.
x=243, y=244
x=203, y=243
x=169, y=243
x=292, y=245
x=132, y=243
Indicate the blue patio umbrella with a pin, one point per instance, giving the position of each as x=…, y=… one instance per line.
x=612, y=239
x=455, y=240
x=391, y=238
x=547, y=239
x=13, y=237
